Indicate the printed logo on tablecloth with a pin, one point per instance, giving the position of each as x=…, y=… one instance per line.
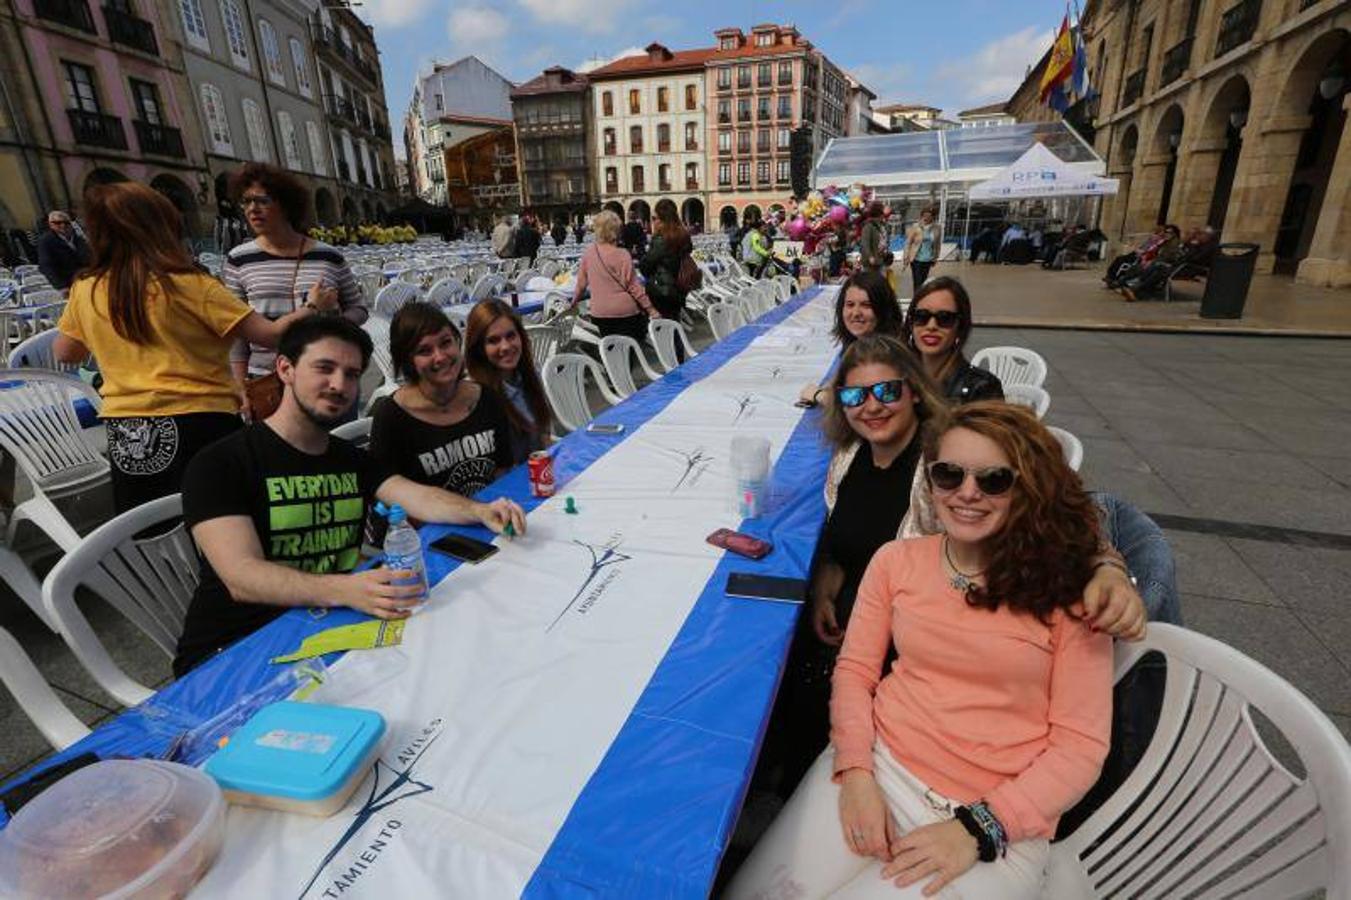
x=745, y=406
x=604, y=558
x=141, y=446
x=696, y=464
x=349, y=872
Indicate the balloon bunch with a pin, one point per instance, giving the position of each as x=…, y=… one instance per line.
x=824, y=210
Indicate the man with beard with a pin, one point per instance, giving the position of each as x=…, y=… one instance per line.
x=278, y=508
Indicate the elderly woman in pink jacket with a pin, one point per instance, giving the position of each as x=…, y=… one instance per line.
x=619, y=305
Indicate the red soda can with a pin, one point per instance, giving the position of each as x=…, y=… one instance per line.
x=541, y=465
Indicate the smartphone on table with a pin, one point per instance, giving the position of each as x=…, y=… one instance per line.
x=604, y=428
x=740, y=543
x=766, y=587
x=465, y=549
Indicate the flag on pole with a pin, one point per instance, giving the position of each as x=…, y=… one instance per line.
x=1060, y=64
x=1079, y=83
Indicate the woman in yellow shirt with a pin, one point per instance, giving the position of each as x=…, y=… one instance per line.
x=161, y=331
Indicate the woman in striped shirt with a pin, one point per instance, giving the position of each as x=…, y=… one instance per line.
x=281, y=268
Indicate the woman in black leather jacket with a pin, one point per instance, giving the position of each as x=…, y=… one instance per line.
x=936, y=327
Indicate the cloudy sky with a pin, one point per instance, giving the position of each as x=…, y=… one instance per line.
x=951, y=54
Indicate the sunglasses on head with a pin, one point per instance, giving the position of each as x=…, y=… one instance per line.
x=945, y=318
x=992, y=481
x=885, y=392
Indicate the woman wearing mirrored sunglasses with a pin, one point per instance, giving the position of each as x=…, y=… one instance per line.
x=949, y=769
x=937, y=327
x=880, y=398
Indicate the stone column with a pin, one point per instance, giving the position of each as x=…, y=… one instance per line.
x=1329, y=261
x=1191, y=201
x=1262, y=183
x=1146, y=192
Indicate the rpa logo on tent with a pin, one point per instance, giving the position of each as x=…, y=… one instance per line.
x=1035, y=175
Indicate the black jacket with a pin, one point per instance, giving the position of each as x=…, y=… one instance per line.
x=633, y=238
x=59, y=261
x=527, y=241
x=968, y=383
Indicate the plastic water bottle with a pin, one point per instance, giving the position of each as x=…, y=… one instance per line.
x=403, y=549
x=750, y=469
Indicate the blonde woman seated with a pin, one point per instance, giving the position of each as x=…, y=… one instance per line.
x=948, y=773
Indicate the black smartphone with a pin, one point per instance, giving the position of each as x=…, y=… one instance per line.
x=766, y=587
x=465, y=549
x=605, y=428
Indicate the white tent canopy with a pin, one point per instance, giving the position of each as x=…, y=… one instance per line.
x=1040, y=173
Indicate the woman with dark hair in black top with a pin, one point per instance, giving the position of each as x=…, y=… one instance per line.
x=936, y=328
x=865, y=305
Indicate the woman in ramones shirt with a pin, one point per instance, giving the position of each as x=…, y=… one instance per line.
x=438, y=428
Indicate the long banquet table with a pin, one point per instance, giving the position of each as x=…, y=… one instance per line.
x=579, y=715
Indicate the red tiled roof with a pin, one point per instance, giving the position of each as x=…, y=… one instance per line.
x=473, y=120
x=542, y=84
x=642, y=65
x=904, y=107
x=988, y=109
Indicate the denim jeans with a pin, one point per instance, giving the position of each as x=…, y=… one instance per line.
x=1147, y=554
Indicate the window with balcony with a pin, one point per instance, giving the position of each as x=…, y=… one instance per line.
x=1175, y=62
x=762, y=108
x=764, y=74
x=762, y=172
x=664, y=177
x=743, y=76
x=691, y=96
x=236, y=36
x=611, y=180
x=194, y=24
x=316, y=147
x=607, y=104
x=691, y=176
x=255, y=127
x=785, y=73
x=639, y=185
x=724, y=174
x=151, y=132
x=301, y=67
x=663, y=138
x=724, y=142
x=691, y=136
x=743, y=142
x=88, y=123
x=1237, y=25
x=724, y=78
x=785, y=138
x=743, y=109
x=127, y=28
x=743, y=173
x=217, y=123
x=608, y=141
x=81, y=93
x=785, y=106
x=636, y=139
x=663, y=99
x=724, y=112
x=71, y=13
x=635, y=102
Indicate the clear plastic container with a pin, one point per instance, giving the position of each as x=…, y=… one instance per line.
x=115, y=830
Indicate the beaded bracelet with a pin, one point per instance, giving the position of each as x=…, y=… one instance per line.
x=991, y=839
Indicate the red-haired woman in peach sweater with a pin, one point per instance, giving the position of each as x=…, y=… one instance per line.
x=948, y=773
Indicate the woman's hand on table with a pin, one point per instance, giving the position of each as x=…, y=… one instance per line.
x=375, y=593
x=498, y=514
x=864, y=818
x=944, y=850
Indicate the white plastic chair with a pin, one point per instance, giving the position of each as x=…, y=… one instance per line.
x=39, y=296
x=20, y=272
x=459, y=317
x=447, y=292
x=664, y=334
x=35, y=696
x=149, y=580
x=1029, y=395
x=522, y=281
x=357, y=431
x=615, y=351
x=39, y=428
x=370, y=283
x=392, y=297
x=1073, y=447
x=544, y=341
x=378, y=329
x=1012, y=365
x=1208, y=804
x=565, y=385
x=487, y=286
x=13, y=329
x=36, y=353
x=724, y=318
x=787, y=286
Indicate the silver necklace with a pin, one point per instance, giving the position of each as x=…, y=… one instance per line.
x=960, y=581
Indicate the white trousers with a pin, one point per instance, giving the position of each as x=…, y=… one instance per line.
x=803, y=856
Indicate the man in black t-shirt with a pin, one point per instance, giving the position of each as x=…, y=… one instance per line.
x=277, y=509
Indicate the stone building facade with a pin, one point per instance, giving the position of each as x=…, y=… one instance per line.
x=482, y=178
x=555, y=145
x=1230, y=113
x=649, y=115
x=452, y=103
x=762, y=87
x=93, y=93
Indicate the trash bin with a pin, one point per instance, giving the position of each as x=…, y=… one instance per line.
x=1230, y=277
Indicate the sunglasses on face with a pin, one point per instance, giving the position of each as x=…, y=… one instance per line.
x=260, y=200
x=992, y=481
x=884, y=391
x=945, y=318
